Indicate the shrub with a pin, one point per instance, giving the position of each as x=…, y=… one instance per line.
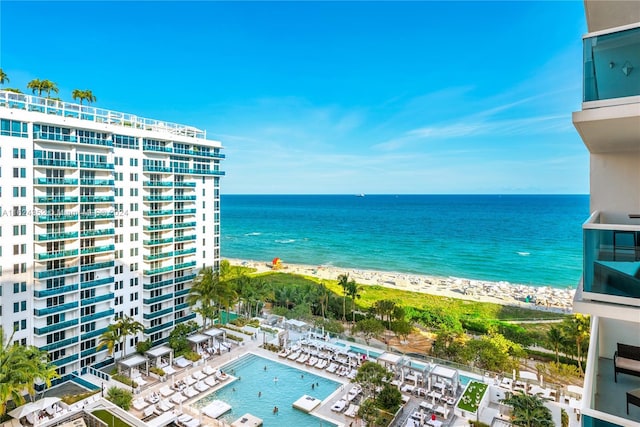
x=120, y=397
x=157, y=371
x=143, y=346
x=192, y=356
x=124, y=380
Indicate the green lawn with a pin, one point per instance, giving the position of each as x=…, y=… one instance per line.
x=472, y=396
x=109, y=418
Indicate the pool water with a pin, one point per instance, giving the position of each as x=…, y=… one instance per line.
x=291, y=384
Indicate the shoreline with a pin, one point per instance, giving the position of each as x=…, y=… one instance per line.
x=543, y=298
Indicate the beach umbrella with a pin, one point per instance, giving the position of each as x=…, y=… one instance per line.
x=541, y=381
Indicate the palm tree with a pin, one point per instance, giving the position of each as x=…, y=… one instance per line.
x=353, y=290
x=49, y=86
x=344, y=282
x=529, y=411
x=128, y=326
x=109, y=339
x=577, y=328
x=20, y=368
x=36, y=86
x=83, y=95
x=555, y=337
x=3, y=77
x=203, y=293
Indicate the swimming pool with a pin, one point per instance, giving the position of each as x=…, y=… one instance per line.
x=370, y=353
x=290, y=385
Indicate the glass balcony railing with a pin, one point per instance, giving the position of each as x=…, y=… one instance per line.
x=157, y=184
x=185, y=265
x=157, y=299
x=55, y=309
x=185, y=211
x=160, y=149
x=96, y=182
x=161, y=212
x=97, y=249
x=92, y=334
x=98, y=233
x=162, y=284
x=157, y=198
x=186, y=318
x=611, y=258
x=609, y=65
x=44, y=293
x=160, y=270
x=96, y=316
x=184, y=184
x=154, y=315
x=97, y=199
x=181, y=306
x=95, y=165
x=47, y=274
x=55, y=181
x=185, y=198
x=95, y=141
x=66, y=360
x=161, y=255
x=55, y=199
x=191, y=224
x=185, y=252
x=181, y=292
x=97, y=266
x=54, y=255
x=57, y=218
x=185, y=278
x=94, y=300
x=162, y=327
x=156, y=242
x=185, y=238
x=163, y=169
x=46, y=136
x=56, y=236
x=55, y=327
x=55, y=163
x=157, y=227
x=97, y=215
x=60, y=344
x=97, y=282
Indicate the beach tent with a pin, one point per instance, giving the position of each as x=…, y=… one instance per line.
x=276, y=263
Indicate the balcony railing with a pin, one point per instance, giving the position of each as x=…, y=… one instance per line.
x=157, y=299
x=157, y=256
x=96, y=165
x=185, y=278
x=56, y=236
x=611, y=259
x=97, y=199
x=66, y=360
x=185, y=238
x=97, y=282
x=162, y=169
x=55, y=181
x=98, y=233
x=185, y=252
x=158, y=198
x=44, y=293
x=47, y=274
x=95, y=141
x=97, y=249
x=184, y=198
x=191, y=224
x=149, y=316
x=57, y=218
x=160, y=270
x=55, y=327
x=55, y=309
x=186, y=318
x=96, y=316
x=59, y=254
x=162, y=327
x=156, y=242
x=97, y=266
x=55, y=163
x=158, y=227
x=184, y=184
x=46, y=136
x=94, y=300
x=185, y=265
x=96, y=182
x=149, y=147
x=157, y=184
x=55, y=199
x=161, y=284
x=60, y=344
x=92, y=334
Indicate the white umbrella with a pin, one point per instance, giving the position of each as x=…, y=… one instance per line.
x=24, y=410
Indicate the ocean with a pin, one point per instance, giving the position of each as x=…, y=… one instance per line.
x=533, y=240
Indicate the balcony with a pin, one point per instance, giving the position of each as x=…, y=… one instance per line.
x=159, y=212
x=97, y=249
x=611, y=262
x=185, y=211
x=185, y=278
x=97, y=199
x=94, y=300
x=157, y=184
x=47, y=274
x=185, y=252
x=149, y=316
x=97, y=266
x=46, y=136
x=56, y=181
x=97, y=282
x=60, y=344
x=44, y=293
x=96, y=165
x=156, y=148
x=181, y=198
x=55, y=327
x=96, y=182
x=184, y=184
x=57, y=218
x=158, y=256
x=55, y=309
x=162, y=169
x=97, y=215
x=55, y=199
x=96, y=316
x=56, y=236
x=55, y=163
x=160, y=270
x=156, y=242
x=160, y=298
x=158, y=227
x=92, y=334
x=186, y=318
x=54, y=255
x=161, y=327
x=98, y=233
x=181, y=292
x=185, y=265
x=185, y=238
x=157, y=198
x=65, y=361
x=200, y=153
x=185, y=224
x=161, y=284
x=95, y=141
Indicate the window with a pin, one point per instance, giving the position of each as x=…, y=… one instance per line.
x=133, y=162
x=13, y=128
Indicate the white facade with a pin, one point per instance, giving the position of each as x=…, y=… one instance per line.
x=609, y=124
x=104, y=214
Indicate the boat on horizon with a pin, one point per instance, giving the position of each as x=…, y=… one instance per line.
x=361, y=195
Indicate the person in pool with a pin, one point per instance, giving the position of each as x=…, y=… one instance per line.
x=275, y=410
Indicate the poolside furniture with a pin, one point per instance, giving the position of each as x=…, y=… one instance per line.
x=165, y=391
x=354, y=392
x=352, y=410
x=193, y=423
x=164, y=406
x=339, y=405
x=208, y=370
x=211, y=381
x=221, y=376
x=201, y=387
x=332, y=368
x=148, y=411
x=198, y=375
x=216, y=408
x=189, y=380
x=181, y=362
x=139, y=404
x=184, y=418
x=178, y=398
x=190, y=392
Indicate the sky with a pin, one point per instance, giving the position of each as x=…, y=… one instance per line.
x=418, y=97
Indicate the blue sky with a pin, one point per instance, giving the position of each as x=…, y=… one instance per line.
x=332, y=97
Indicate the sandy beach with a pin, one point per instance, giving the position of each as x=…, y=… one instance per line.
x=541, y=298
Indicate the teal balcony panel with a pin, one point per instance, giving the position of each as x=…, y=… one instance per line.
x=93, y=334
x=95, y=141
x=60, y=344
x=44, y=293
x=97, y=266
x=185, y=265
x=56, y=181
x=185, y=252
x=149, y=316
x=97, y=199
x=200, y=153
x=98, y=233
x=96, y=316
x=162, y=327
x=156, y=198
x=160, y=270
x=46, y=136
x=608, y=72
x=55, y=327
x=185, y=198
x=57, y=218
x=182, y=306
x=186, y=318
x=159, y=149
x=66, y=360
x=55, y=309
x=158, y=256
x=154, y=300
x=97, y=249
x=55, y=163
x=89, y=352
x=56, y=236
x=162, y=212
x=97, y=282
x=162, y=284
x=156, y=242
x=95, y=300
x=184, y=184
x=185, y=211
x=54, y=199
x=97, y=182
x=97, y=215
x=162, y=169
x=181, y=292
x=157, y=227
x=191, y=224
x=47, y=274
x=185, y=238
x=94, y=165
x=54, y=255
x=157, y=184
x=185, y=278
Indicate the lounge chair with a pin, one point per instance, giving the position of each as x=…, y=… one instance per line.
x=140, y=404
x=201, y=387
x=352, y=410
x=166, y=391
x=184, y=418
x=339, y=405
x=211, y=381
x=148, y=411
x=193, y=423
x=208, y=370
x=178, y=398
x=190, y=392
x=190, y=380
x=198, y=375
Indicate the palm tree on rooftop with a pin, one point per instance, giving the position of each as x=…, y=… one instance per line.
x=109, y=339
x=49, y=86
x=83, y=95
x=3, y=77
x=36, y=86
x=529, y=411
x=128, y=326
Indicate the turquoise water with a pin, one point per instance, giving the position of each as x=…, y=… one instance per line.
x=291, y=384
x=529, y=239
x=371, y=353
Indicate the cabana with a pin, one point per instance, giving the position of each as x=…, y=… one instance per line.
x=389, y=360
x=200, y=342
x=131, y=362
x=216, y=338
x=296, y=325
x=158, y=357
x=440, y=377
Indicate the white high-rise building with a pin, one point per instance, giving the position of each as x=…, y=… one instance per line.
x=104, y=214
x=609, y=124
